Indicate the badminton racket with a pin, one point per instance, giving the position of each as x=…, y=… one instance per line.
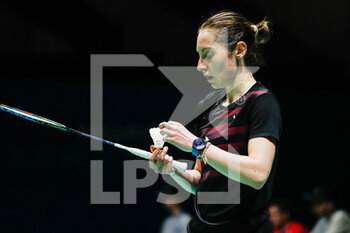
x=44, y=121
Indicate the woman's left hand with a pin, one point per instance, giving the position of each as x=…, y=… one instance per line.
x=177, y=135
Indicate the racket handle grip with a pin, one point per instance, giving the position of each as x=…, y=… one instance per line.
x=145, y=154
x=180, y=165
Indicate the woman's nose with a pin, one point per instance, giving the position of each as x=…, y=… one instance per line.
x=201, y=66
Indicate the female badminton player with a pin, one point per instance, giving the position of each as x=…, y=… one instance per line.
x=236, y=138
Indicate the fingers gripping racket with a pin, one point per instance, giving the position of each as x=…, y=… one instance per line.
x=43, y=121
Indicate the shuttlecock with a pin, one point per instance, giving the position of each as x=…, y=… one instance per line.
x=157, y=137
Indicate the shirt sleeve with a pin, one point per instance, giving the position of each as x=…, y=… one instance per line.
x=165, y=226
x=265, y=118
x=340, y=223
x=319, y=227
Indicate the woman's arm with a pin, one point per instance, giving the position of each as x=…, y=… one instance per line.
x=189, y=179
x=252, y=170
x=163, y=163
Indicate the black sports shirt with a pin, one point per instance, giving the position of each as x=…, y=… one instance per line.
x=255, y=114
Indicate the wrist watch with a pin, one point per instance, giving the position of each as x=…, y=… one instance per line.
x=198, y=146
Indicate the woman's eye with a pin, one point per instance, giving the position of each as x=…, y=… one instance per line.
x=208, y=55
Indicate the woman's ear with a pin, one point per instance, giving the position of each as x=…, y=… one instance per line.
x=240, y=50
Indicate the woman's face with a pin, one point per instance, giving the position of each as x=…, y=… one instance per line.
x=215, y=62
x=276, y=217
x=322, y=209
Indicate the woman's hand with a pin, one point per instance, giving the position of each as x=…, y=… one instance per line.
x=160, y=162
x=177, y=135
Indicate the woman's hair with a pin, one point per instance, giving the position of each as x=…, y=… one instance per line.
x=283, y=206
x=240, y=29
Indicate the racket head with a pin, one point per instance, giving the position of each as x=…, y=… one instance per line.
x=32, y=117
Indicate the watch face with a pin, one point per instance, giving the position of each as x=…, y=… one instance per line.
x=199, y=144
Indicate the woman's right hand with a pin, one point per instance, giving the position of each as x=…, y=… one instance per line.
x=160, y=162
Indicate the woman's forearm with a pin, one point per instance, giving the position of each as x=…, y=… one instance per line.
x=243, y=169
x=188, y=180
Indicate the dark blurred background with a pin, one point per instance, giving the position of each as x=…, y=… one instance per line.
x=45, y=49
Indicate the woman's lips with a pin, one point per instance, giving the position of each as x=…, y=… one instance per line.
x=210, y=78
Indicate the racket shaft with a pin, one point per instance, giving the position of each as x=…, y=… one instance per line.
x=90, y=136
x=141, y=153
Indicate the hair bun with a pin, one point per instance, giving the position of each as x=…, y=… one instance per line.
x=255, y=29
x=263, y=33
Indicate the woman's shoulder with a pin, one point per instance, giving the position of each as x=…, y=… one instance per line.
x=341, y=214
x=262, y=94
x=258, y=89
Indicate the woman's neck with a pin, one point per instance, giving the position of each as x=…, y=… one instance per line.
x=242, y=83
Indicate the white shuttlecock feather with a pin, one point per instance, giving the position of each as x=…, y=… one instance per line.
x=157, y=137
